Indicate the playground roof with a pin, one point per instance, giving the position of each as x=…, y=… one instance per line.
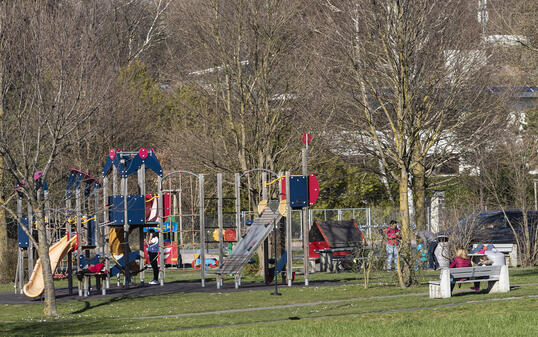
x=336, y=233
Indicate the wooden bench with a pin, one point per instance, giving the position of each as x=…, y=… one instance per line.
x=84, y=283
x=497, y=277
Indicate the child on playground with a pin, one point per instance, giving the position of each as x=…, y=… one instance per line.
x=95, y=269
x=462, y=260
x=153, y=252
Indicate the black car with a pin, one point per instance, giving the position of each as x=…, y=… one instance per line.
x=494, y=227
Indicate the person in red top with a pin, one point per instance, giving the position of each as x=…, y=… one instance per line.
x=97, y=268
x=393, y=240
x=462, y=260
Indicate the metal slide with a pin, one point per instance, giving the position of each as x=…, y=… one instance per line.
x=256, y=234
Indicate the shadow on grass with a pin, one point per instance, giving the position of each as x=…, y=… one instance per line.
x=88, y=306
x=80, y=327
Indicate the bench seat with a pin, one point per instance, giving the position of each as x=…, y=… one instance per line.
x=84, y=284
x=496, y=276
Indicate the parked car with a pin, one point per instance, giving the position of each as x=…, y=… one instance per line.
x=494, y=227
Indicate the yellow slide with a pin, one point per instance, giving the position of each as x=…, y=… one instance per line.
x=115, y=239
x=57, y=252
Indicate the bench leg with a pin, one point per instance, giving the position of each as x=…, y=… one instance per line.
x=501, y=286
x=85, y=287
x=80, y=288
x=446, y=287
x=435, y=291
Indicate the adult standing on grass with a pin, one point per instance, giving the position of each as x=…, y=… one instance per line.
x=429, y=240
x=393, y=241
x=153, y=252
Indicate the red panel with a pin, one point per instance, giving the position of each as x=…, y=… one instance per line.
x=313, y=246
x=229, y=235
x=167, y=205
x=170, y=253
x=313, y=190
x=283, y=188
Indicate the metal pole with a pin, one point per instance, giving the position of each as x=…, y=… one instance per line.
x=535, y=195
x=160, y=203
x=219, y=218
x=265, y=245
x=180, y=214
x=78, y=214
x=305, y=222
x=202, y=228
x=142, y=190
x=98, y=230
x=289, y=262
x=238, y=205
x=114, y=180
x=126, y=250
x=106, y=220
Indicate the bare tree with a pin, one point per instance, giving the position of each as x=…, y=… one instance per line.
x=408, y=83
x=238, y=60
x=509, y=181
x=54, y=79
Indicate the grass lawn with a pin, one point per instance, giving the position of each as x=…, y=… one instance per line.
x=346, y=309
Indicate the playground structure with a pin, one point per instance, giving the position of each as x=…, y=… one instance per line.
x=102, y=227
x=124, y=212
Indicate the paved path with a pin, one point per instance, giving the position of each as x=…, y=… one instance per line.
x=146, y=290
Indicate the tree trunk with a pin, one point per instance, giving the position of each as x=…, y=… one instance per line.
x=406, y=271
x=4, y=249
x=419, y=191
x=49, y=309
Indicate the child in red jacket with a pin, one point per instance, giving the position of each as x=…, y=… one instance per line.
x=462, y=260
